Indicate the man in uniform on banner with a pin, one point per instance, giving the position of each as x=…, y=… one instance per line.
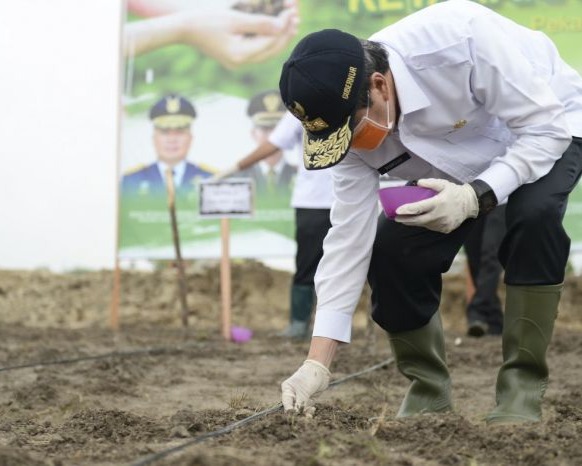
x=172, y=118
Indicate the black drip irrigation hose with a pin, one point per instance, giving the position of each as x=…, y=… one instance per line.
x=112, y=354
x=236, y=425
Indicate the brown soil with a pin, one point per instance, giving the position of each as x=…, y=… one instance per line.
x=166, y=386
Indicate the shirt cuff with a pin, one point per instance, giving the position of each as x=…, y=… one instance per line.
x=334, y=325
x=502, y=179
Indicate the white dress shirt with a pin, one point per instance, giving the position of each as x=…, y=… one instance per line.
x=275, y=169
x=480, y=97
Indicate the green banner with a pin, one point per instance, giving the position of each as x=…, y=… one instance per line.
x=200, y=50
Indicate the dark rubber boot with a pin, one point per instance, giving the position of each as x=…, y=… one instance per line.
x=302, y=299
x=420, y=357
x=530, y=312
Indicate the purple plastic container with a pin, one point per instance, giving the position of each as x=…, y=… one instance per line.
x=240, y=334
x=393, y=197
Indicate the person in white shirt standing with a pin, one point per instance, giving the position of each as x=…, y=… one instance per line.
x=479, y=109
x=311, y=198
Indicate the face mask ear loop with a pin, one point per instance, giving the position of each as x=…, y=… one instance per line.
x=389, y=124
x=391, y=98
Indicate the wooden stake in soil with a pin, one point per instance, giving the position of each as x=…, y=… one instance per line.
x=225, y=283
x=176, y=237
x=116, y=288
x=114, y=318
x=223, y=199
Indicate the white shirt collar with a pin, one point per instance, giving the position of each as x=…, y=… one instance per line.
x=179, y=171
x=410, y=96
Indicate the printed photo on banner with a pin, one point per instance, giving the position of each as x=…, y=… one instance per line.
x=200, y=91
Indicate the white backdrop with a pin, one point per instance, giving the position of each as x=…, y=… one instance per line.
x=58, y=132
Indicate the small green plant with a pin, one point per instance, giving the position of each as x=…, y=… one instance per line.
x=238, y=400
x=379, y=421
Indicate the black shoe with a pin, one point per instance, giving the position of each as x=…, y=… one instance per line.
x=477, y=328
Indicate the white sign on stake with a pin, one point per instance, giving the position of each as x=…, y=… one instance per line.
x=231, y=197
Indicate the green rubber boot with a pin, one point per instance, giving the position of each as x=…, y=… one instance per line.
x=420, y=357
x=530, y=312
x=302, y=299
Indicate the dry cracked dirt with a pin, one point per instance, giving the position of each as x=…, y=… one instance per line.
x=74, y=392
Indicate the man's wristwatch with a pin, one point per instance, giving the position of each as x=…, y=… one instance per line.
x=485, y=196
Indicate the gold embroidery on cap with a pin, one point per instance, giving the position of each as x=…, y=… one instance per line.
x=352, y=71
x=323, y=153
x=172, y=121
x=172, y=104
x=459, y=124
x=271, y=102
x=314, y=125
x=317, y=124
x=296, y=109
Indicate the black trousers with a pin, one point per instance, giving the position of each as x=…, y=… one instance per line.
x=482, y=250
x=311, y=227
x=408, y=262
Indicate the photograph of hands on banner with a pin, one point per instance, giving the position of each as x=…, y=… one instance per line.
x=218, y=56
x=197, y=66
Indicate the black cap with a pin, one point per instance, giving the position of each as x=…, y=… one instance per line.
x=319, y=84
x=266, y=108
x=171, y=112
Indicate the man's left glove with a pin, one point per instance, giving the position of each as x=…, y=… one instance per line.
x=309, y=380
x=443, y=212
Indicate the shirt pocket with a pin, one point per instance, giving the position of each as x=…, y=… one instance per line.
x=450, y=55
x=498, y=134
x=479, y=145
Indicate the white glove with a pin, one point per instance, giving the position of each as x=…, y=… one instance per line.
x=225, y=173
x=309, y=380
x=444, y=212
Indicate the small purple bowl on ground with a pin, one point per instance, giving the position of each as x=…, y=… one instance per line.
x=393, y=197
x=240, y=334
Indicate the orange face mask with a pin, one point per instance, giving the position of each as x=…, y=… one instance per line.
x=369, y=134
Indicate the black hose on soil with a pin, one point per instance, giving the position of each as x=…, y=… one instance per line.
x=112, y=354
x=225, y=430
